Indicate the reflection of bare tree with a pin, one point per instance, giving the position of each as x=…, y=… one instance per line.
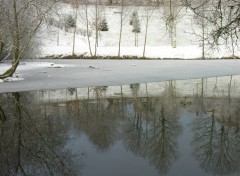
x=215, y=146
x=198, y=102
x=135, y=130
x=165, y=130
x=97, y=118
x=30, y=144
x=153, y=129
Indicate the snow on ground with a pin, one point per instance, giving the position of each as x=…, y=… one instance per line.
x=55, y=41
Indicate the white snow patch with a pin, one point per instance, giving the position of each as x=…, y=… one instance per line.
x=12, y=79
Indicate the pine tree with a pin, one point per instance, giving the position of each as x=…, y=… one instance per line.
x=135, y=22
x=133, y=16
x=104, y=25
x=136, y=26
x=70, y=21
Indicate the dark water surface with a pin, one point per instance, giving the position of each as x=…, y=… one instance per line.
x=173, y=128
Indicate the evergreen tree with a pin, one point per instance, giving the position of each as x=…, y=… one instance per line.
x=136, y=24
x=70, y=21
x=104, y=25
x=133, y=16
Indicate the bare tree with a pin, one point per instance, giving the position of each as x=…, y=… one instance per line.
x=223, y=15
x=203, y=25
x=125, y=10
x=75, y=6
x=22, y=20
x=86, y=22
x=149, y=11
x=171, y=10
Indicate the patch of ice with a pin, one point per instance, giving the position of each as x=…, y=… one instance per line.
x=42, y=72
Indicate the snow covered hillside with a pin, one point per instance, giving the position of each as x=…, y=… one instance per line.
x=55, y=40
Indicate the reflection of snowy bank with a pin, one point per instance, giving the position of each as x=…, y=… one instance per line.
x=208, y=87
x=217, y=98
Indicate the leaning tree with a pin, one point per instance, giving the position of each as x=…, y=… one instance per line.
x=20, y=21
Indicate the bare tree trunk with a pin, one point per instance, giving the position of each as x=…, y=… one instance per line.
x=96, y=27
x=16, y=34
x=172, y=25
x=232, y=45
x=121, y=26
x=203, y=41
x=145, y=38
x=58, y=38
x=74, y=33
x=89, y=44
x=135, y=43
x=1, y=45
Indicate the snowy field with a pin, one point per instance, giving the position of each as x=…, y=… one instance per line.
x=56, y=41
x=60, y=74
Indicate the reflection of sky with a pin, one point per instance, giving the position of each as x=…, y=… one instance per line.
x=115, y=162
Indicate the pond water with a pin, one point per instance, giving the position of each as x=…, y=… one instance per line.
x=186, y=127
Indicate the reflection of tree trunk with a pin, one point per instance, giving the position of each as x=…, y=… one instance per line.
x=2, y=122
x=19, y=131
x=2, y=115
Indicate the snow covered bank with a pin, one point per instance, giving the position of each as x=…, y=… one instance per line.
x=57, y=41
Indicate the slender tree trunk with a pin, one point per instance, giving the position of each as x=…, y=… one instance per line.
x=16, y=34
x=1, y=45
x=172, y=22
x=74, y=33
x=135, y=43
x=137, y=39
x=19, y=131
x=121, y=26
x=203, y=42
x=96, y=27
x=58, y=38
x=233, y=48
x=145, y=38
x=89, y=44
